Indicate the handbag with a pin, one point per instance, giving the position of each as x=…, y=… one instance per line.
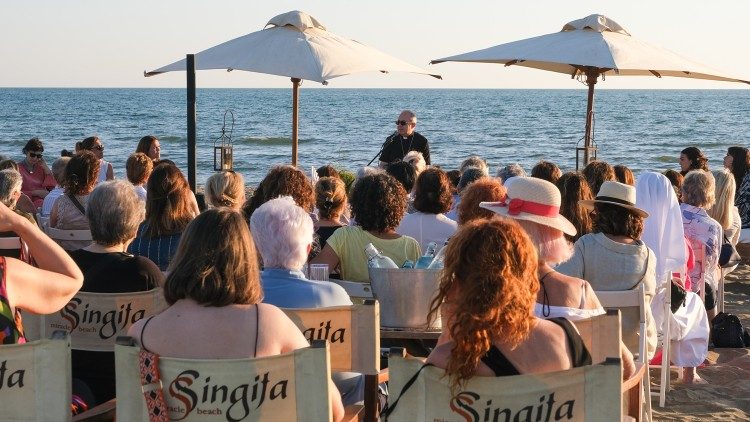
x=148, y=365
x=728, y=256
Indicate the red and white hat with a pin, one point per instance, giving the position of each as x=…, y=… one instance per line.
x=535, y=200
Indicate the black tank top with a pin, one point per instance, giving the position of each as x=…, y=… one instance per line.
x=501, y=366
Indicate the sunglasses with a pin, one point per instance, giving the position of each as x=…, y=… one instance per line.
x=402, y=122
x=35, y=155
x=99, y=147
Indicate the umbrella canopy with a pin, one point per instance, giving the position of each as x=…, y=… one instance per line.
x=296, y=45
x=592, y=46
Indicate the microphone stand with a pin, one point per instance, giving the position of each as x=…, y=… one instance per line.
x=388, y=140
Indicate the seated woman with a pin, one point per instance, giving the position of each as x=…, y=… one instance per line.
x=37, y=177
x=150, y=146
x=692, y=158
x=282, y=180
x=560, y=295
x=115, y=211
x=284, y=235
x=432, y=199
x=703, y=233
x=331, y=202
x=138, y=168
x=69, y=210
x=94, y=145
x=663, y=233
x=214, y=292
x=378, y=205
x=613, y=257
x=723, y=210
x=598, y=172
x=24, y=202
x=169, y=208
x=574, y=188
x=226, y=189
x=485, y=190
x=493, y=329
x=41, y=290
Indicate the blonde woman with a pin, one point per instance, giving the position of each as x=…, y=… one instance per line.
x=226, y=189
x=723, y=209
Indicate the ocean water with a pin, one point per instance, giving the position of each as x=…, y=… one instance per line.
x=644, y=129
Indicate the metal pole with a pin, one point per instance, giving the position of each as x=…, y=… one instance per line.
x=191, y=120
x=295, y=118
x=591, y=76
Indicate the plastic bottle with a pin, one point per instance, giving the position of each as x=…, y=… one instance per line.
x=439, y=260
x=376, y=259
x=425, y=260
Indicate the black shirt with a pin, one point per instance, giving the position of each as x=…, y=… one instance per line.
x=396, y=149
x=115, y=272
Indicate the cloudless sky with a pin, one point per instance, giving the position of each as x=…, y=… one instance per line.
x=94, y=43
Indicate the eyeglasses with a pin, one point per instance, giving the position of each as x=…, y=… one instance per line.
x=402, y=122
x=35, y=154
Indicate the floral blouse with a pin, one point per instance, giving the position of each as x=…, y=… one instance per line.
x=703, y=233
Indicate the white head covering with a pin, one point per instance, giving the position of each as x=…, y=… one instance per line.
x=662, y=230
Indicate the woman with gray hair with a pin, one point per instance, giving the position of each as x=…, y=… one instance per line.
x=283, y=233
x=10, y=191
x=114, y=211
x=703, y=233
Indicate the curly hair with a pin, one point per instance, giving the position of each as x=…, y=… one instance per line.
x=698, y=160
x=138, y=168
x=493, y=293
x=623, y=174
x=34, y=144
x=378, y=202
x=546, y=170
x=596, y=173
x=432, y=192
x=330, y=197
x=168, y=203
x=617, y=221
x=699, y=189
x=282, y=180
x=483, y=190
x=81, y=173
x=573, y=188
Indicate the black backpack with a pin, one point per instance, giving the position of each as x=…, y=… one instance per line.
x=726, y=331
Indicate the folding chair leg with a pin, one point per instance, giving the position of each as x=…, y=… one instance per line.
x=647, y=395
x=372, y=413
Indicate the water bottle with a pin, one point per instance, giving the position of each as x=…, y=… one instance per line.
x=439, y=260
x=376, y=259
x=425, y=260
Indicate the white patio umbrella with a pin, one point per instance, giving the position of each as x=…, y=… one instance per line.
x=592, y=46
x=296, y=45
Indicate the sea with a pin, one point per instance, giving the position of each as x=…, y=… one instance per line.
x=643, y=129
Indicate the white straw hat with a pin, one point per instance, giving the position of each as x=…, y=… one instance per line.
x=535, y=200
x=615, y=193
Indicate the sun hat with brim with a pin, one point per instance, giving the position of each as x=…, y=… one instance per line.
x=534, y=200
x=615, y=193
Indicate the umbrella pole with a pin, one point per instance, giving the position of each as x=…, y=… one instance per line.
x=191, y=121
x=591, y=76
x=295, y=118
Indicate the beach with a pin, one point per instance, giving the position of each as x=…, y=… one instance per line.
x=726, y=397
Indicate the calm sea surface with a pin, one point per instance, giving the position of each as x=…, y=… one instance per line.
x=644, y=129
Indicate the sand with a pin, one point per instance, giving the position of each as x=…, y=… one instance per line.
x=726, y=397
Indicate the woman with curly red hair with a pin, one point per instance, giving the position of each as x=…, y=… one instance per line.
x=491, y=299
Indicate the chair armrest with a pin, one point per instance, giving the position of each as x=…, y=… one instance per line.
x=635, y=379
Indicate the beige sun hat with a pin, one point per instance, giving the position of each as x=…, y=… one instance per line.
x=615, y=193
x=535, y=200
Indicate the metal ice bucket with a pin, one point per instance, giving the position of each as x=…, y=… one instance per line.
x=405, y=296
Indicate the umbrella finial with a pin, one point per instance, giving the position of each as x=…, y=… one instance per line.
x=598, y=23
x=300, y=20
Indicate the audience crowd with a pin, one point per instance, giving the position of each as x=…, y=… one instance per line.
x=524, y=255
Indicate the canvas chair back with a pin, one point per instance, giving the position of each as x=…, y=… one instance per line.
x=355, y=289
x=94, y=320
x=13, y=247
x=588, y=393
x=352, y=331
x=35, y=380
x=632, y=306
x=289, y=387
x=60, y=234
x=601, y=335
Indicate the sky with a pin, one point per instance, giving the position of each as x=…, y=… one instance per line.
x=93, y=43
